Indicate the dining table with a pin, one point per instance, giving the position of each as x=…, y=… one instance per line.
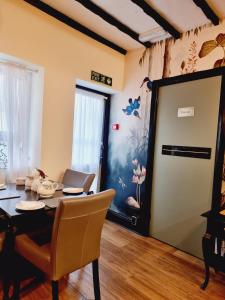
x=13, y=194
x=25, y=221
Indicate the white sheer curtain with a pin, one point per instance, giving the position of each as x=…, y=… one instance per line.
x=15, y=118
x=87, y=133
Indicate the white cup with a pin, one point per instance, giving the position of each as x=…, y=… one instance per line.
x=20, y=181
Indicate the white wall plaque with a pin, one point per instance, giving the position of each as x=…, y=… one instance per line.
x=183, y=112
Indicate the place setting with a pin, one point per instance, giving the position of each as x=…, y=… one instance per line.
x=73, y=191
x=39, y=187
x=37, y=192
x=29, y=205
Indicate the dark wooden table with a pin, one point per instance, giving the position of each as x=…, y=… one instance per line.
x=212, y=244
x=14, y=194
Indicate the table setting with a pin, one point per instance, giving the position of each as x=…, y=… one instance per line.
x=34, y=193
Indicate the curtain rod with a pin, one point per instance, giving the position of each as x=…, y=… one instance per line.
x=17, y=65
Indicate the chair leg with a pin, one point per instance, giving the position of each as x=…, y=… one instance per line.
x=96, y=280
x=6, y=279
x=6, y=285
x=7, y=262
x=16, y=289
x=55, y=290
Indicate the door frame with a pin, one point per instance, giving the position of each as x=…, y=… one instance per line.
x=105, y=133
x=219, y=151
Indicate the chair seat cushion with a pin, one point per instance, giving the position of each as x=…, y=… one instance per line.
x=37, y=254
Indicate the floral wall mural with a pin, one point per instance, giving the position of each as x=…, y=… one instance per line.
x=200, y=49
x=132, y=108
x=128, y=146
x=209, y=46
x=189, y=65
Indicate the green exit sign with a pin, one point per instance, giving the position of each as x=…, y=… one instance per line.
x=101, y=78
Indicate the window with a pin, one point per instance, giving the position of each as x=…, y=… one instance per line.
x=20, y=117
x=87, y=133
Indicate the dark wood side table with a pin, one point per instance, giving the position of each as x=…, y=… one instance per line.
x=213, y=243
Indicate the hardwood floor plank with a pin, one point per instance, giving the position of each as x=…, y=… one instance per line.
x=133, y=267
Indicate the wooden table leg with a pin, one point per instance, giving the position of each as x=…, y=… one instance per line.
x=206, y=249
x=207, y=275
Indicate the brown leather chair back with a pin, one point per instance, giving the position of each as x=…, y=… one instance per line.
x=77, y=232
x=78, y=179
x=2, y=237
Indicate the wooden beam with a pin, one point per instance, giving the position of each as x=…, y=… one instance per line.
x=207, y=10
x=74, y=24
x=111, y=20
x=158, y=18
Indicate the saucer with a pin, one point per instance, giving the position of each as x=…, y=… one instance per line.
x=3, y=186
x=46, y=196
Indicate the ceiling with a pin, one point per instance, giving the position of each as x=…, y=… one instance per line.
x=182, y=15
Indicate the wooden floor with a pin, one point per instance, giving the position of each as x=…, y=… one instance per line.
x=138, y=268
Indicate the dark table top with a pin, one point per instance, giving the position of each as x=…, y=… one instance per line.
x=14, y=194
x=214, y=216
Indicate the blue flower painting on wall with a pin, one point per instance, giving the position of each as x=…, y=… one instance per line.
x=133, y=107
x=127, y=170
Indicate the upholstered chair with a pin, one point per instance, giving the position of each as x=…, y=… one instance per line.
x=75, y=240
x=1, y=240
x=6, y=249
x=2, y=236
x=74, y=178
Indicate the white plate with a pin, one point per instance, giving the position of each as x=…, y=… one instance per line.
x=73, y=191
x=2, y=186
x=30, y=205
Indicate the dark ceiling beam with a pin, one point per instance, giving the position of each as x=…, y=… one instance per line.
x=74, y=24
x=111, y=20
x=207, y=10
x=158, y=18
